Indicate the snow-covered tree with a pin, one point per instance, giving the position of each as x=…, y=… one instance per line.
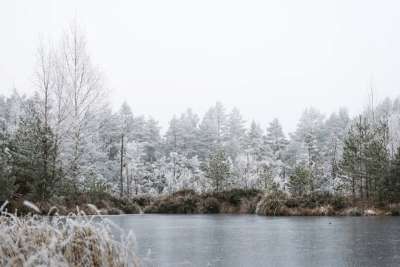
x=189, y=127
x=152, y=140
x=211, y=130
x=309, y=140
x=255, y=145
x=173, y=137
x=84, y=90
x=182, y=135
x=235, y=136
x=181, y=173
x=277, y=142
x=276, y=139
x=126, y=123
x=335, y=128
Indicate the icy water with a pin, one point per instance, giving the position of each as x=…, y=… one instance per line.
x=249, y=240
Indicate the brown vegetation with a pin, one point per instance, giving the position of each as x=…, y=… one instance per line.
x=188, y=202
x=236, y=201
x=318, y=204
x=62, y=241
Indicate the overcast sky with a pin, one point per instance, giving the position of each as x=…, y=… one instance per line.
x=268, y=58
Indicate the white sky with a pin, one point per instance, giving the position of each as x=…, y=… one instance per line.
x=269, y=58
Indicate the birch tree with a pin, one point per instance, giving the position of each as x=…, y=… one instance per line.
x=85, y=91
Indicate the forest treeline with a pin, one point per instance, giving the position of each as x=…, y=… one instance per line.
x=65, y=139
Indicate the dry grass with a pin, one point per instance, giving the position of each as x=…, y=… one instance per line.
x=73, y=240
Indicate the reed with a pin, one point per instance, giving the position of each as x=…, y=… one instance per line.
x=73, y=240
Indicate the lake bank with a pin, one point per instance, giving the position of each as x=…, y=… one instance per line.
x=270, y=204
x=237, y=201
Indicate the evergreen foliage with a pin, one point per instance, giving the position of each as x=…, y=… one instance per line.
x=218, y=170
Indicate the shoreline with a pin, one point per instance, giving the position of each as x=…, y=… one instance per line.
x=229, y=202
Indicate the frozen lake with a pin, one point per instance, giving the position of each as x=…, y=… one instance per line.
x=249, y=240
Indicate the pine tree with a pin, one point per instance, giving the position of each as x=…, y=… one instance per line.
x=189, y=129
x=335, y=129
x=7, y=186
x=365, y=159
x=392, y=182
x=235, y=134
x=174, y=137
x=350, y=163
x=255, y=141
x=300, y=182
x=310, y=138
x=212, y=130
x=218, y=170
x=139, y=128
x=182, y=135
x=32, y=151
x=152, y=141
x=126, y=121
x=377, y=162
x=276, y=139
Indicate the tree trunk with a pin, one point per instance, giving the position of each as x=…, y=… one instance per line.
x=122, y=167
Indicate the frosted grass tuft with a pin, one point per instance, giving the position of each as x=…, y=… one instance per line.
x=72, y=240
x=30, y=205
x=3, y=205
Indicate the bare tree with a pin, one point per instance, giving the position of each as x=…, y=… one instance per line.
x=84, y=92
x=44, y=79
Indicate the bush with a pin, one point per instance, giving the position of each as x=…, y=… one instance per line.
x=188, y=201
x=176, y=204
x=7, y=186
x=187, y=204
x=292, y=202
x=355, y=211
x=315, y=199
x=142, y=200
x=129, y=207
x=395, y=212
x=234, y=196
x=318, y=199
x=339, y=202
x=210, y=205
x=273, y=204
x=184, y=192
x=394, y=209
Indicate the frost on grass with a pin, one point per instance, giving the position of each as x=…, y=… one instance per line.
x=73, y=240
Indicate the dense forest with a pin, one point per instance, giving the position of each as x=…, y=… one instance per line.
x=65, y=138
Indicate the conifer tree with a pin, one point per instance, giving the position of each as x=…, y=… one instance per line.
x=392, y=181
x=276, y=139
x=300, y=182
x=32, y=151
x=7, y=186
x=212, y=130
x=235, y=134
x=218, y=170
